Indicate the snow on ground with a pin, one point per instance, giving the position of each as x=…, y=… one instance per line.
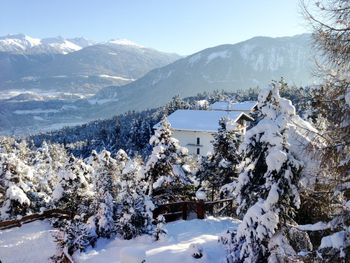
x=32, y=242
x=176, y=247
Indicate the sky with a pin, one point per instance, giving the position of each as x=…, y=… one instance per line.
x=179, y=26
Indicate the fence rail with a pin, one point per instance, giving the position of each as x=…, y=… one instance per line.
x=198, y=209
x=57, y=213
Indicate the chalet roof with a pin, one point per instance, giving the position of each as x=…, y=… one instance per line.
x=201, y=120
x=233, y=106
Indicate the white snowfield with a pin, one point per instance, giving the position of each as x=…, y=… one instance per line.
x=34, y=243
x=31, y=243
x=177, y=247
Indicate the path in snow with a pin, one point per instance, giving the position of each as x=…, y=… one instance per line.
x=31, y=243
x=174, y=248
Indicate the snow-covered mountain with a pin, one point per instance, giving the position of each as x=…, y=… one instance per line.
x=23, y=44
x=251, y=63
x=73, y=65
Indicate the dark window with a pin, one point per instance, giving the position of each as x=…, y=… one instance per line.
x=198, y=140
x=198, y=151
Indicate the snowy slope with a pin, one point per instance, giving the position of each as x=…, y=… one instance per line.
x=31, y=243
x=240, y=66
x=174, y=248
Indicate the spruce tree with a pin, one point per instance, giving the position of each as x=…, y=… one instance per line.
x=104, y=167
x=220, y=168
x=77, y=236
x=164, y=169
x=45, y=174
x=74, y=188
x=267, y=186
x=331, y=34
x=135, y=207
x=17, y=185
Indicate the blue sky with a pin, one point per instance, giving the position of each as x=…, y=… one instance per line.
x=181, y=26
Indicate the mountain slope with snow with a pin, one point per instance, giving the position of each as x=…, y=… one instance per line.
x=251, y=63
x=73, y=65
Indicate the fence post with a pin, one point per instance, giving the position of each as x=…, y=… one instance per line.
x=184, y=211
x=200, y=209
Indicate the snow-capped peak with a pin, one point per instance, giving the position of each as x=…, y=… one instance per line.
x=124, y=42
x=20, y=43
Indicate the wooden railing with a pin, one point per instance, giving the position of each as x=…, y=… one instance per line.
x=57, y=213
x=53, y=213
x=194, y=209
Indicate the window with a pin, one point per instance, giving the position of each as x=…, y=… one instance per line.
x=198, y=151
x=198, y=141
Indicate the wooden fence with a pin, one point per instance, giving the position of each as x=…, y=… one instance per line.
x=194, y=209
x=57, y=213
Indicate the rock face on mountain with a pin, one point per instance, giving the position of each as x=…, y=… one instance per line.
x=73, y=65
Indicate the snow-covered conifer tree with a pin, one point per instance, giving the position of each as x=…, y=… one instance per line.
x=104, y=168
x=77, y=236
x=135, y=207
x=267, y=186
x=220, y=167
x=45, y=175
x=164, y=169
x=331, y=33
x=74, y=187
x=19, y=195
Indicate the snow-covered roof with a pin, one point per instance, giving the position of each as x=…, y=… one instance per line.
x=233, y=106
x=201, y=120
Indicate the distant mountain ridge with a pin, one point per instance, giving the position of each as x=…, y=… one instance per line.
x=251, y=63
x=23, y=44
x=73, y=65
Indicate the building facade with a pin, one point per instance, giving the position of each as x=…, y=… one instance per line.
x=195, y=128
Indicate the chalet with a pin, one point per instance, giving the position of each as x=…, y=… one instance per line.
x=195, y=128
x=246, y=106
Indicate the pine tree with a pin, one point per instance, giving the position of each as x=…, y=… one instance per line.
x=77, y=236
x=74, y=190
x=104, y=167
x=267, y=187
x=164, y=170
x=175, y=104
x=135, y=209
x=330, y=21
x=45, y=175
x=220, y=168
x=19, y=192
